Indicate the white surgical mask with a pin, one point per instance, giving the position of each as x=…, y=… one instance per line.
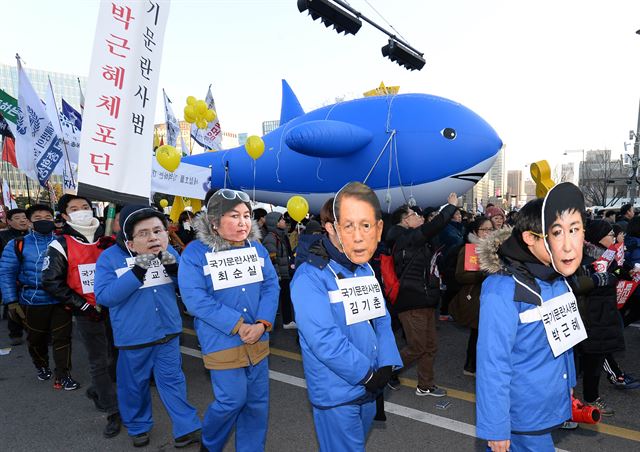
x=81, y=217
x=186, y=225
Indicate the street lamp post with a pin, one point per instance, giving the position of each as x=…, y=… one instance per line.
x=634, y=162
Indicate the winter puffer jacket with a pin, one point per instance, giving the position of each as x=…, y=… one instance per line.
x=140, y=316
x=465, y=305
x=337, y=358
x=412, y=254
x=598, y=306
x=277, y=244
x=27, y=272
x=220, y=313
x=520, y=386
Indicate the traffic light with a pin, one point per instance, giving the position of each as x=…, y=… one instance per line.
x=331, y=14
x=403, y=55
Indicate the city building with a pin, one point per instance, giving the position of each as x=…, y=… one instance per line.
x=270, y=126
x=515, y=187
x=64, y=86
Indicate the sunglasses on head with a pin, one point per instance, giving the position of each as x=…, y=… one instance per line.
x=230, y=195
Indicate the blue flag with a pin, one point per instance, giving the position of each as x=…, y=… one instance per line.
x=72, y=114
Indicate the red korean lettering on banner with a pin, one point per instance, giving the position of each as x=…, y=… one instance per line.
x=104, y=134
x=122, y=14
x=115, y=74
x=101, y=163
x=111, y=104
x=117, y=43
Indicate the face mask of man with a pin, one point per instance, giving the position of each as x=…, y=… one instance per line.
x=81, y=217
x=44, y=226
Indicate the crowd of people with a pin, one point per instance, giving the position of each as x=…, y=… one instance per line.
x=233, y=267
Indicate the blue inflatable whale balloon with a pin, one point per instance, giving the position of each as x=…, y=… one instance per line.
x=407, y=147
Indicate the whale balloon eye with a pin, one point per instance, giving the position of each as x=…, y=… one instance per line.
x=448, y=133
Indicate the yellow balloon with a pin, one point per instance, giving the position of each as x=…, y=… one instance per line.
x=191, y=100
x=201, y=123
x=190, y=114
x=298, y=207
x=210, y=115
x=254, y=147
x=168, y=157
x=201, y=107
x=164, y=203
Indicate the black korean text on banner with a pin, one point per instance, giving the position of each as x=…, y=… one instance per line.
x=117, y=127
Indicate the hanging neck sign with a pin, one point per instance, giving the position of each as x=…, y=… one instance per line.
x=235, y=267
x=362, y=298
x=562, y=323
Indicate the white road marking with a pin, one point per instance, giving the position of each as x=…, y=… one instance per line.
x=392, y=408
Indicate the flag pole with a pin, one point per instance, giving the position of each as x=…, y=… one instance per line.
x=28, y=190
x=64, y=142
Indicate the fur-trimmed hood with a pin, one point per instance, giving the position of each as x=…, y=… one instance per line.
x=488, y=250
x=207, y=235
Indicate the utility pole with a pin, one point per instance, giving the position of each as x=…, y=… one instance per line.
x=636, y=151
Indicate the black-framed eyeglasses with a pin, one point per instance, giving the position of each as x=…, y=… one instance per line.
x=229, y=194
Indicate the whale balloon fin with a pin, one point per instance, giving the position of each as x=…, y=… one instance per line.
x=291, y=107
x=327, y=138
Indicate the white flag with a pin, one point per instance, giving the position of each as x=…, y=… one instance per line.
x=69, y=144
x=173, y=128
x=7, y=197
x=37, y=149
x=117, y=122
x=211, y=137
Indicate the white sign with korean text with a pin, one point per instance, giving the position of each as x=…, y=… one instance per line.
x=362, y=298
x=234, y=268
x=562, y=323
x=87, y=276
x=190, y=181
x=156, y=274
x=120, y=102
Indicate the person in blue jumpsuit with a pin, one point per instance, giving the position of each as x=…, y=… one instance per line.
x=348, y=348
x=230, y=286
x=523, y=389
x=136, y=279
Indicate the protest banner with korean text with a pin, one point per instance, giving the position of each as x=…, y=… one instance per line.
x=120, y=102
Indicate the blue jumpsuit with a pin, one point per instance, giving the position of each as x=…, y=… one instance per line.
x=239, y=371
x=146, y=326
x=337, y=357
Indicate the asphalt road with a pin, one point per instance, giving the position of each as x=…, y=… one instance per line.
x=35, y=417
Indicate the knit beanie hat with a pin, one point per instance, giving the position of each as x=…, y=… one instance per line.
x=494, y=211
x=597, y=230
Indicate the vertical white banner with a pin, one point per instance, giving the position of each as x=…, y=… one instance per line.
x=120, y=102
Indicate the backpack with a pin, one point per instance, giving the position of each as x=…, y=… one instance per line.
x=390, y=280
x=18, y=246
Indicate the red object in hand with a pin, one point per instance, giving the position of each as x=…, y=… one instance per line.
x=471, y=262
x=582, y=413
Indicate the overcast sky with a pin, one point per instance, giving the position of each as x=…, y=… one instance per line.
x=548, y=75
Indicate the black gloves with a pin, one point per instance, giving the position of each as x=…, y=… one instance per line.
x=378, y=379
x=603, y=279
